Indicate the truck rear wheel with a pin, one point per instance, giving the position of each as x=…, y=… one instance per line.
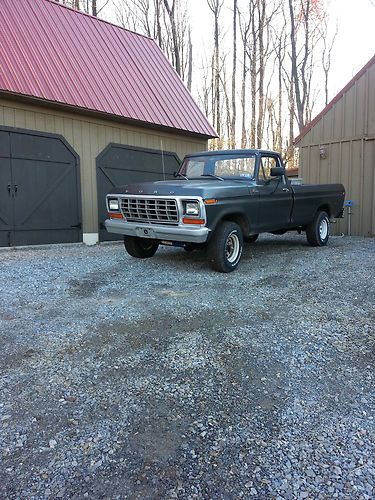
x=141, y=248
x=317, y=232
x=225, y=247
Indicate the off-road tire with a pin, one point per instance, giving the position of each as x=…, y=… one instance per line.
x=251, y=239
x=317, y=233
x=141, y=248
x=225, y=247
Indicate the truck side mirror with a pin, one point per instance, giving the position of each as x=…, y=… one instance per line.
x=277, y=172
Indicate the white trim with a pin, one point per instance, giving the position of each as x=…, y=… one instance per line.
x=90, y=238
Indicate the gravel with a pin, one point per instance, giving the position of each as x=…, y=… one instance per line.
x=160, y=378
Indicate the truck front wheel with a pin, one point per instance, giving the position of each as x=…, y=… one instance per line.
x=141, y=248
x=225, y=247
x=317, y=232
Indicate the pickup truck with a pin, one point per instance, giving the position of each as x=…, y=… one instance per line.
x=218, y=200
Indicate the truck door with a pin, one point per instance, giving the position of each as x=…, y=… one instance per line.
x=275, y=196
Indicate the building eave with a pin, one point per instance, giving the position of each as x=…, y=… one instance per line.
x=57, y=106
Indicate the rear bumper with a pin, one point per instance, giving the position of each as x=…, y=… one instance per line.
x=153, y=231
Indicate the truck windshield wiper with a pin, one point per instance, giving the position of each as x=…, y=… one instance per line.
x=178, y=174
x=212, y=175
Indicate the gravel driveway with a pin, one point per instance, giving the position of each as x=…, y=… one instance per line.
x=123, y=378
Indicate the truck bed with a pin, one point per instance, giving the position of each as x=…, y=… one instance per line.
x=308, y=198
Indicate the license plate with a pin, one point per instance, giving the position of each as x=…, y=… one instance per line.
x=145, y=232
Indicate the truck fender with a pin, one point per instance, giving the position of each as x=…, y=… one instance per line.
x=237, y=216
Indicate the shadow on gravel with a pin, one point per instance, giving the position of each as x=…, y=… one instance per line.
x=262, y=249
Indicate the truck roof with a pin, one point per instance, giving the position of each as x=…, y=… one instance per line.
x=233, y=151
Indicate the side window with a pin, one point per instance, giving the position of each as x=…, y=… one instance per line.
x=243, y=167
x=266, y=163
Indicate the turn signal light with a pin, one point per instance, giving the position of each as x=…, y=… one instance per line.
x=210, y=201
x=186, y=220
x=115, y=216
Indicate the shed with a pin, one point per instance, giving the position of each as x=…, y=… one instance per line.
x=84, y=105
x=339, y=146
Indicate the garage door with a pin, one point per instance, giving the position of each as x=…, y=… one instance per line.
x=40, y=190
x=120, y=164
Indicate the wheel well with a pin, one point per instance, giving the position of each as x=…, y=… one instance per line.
x=239, y=219
x=325, y=208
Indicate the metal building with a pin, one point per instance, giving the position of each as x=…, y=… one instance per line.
x=339, y=146
x=84, y=105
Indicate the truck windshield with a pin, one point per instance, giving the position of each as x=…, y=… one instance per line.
x=220, y=166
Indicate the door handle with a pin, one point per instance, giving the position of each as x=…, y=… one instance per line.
x=286, y=190
x=15, y=188
x=9, y=187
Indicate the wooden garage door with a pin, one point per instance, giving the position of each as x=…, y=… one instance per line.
x=118, y=165
x=40, y=198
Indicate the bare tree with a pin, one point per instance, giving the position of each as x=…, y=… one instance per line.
x=215, y=7
x=327, y=55
x=232, y=141
x=89, y=6
x=170, y=7
x=305, y=37
x=245, y=30
x=167, y=22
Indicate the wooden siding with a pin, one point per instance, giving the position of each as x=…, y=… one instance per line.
x=347, y=130
x=89, y=136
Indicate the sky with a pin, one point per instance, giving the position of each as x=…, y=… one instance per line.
x=355, y=44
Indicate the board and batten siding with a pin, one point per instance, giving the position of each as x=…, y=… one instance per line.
x=347, y=132
x=89, y=136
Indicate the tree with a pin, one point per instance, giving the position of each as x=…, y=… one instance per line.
x=168, y=23
x=232, y=141
x=88, y=6
x=215, y=7
x=245, y=30
x=305, y=38
x=327, y=55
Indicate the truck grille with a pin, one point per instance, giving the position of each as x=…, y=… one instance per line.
x=147, y=210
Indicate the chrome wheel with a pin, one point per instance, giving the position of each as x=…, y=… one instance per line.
x=323, y=229
x=232, y=247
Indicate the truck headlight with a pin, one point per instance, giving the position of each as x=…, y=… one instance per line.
x=113, y=204
x=192, y=208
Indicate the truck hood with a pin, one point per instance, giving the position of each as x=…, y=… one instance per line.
x=206, y=188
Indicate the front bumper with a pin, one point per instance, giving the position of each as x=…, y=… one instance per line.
x=158, y=232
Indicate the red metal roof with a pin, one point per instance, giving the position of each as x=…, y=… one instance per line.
x=51, y=52
x=330, y=105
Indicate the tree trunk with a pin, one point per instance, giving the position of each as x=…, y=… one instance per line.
x=243, y=99
x=190, y=62
x=253, y=81
x=234, y=71
x=171, y=10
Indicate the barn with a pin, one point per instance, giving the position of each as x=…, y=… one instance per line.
x=339, y=146
x=84, y=105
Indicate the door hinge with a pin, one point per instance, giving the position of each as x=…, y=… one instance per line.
x=77, y=226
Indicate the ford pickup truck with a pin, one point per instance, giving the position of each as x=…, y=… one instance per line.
x=218, y=200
